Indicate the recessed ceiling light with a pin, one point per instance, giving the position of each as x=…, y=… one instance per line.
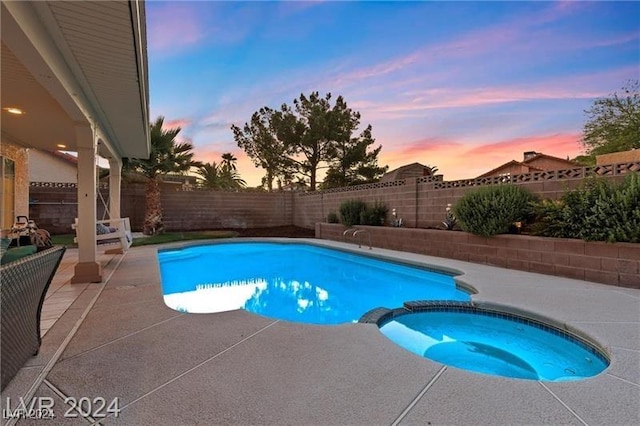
x=61, y=145
x=13, y=110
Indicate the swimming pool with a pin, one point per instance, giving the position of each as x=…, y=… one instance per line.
x=293, y=281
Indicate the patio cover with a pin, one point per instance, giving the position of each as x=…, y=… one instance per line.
x=78, y=71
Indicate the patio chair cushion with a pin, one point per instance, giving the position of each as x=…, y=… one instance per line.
x=4, y=245
x=102, y=229
x=16, y=253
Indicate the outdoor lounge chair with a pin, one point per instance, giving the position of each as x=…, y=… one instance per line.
x=23, y=286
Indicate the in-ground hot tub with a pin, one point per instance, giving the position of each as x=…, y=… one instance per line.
x=493, y=341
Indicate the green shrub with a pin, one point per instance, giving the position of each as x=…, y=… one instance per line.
x=350, y=212
x=595, y=211
x=358, y=212
x=374, y=215
x=550, y=219
x=332, y=217
x=565, y=218
x=493, y=210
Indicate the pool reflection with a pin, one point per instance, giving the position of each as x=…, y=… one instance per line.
x=294, y=282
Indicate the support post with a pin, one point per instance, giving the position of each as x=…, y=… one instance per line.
x=115, y=182
x=87, y=269
x=115, y=179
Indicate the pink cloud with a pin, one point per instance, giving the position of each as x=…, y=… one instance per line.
x=177, y=26
x=183, y=124
x=557, y=144
x=432, y=144
x=623, y=39
x=489, y=156
x=456, y=98
x=208, y=154
x=173, y=26
x=428, y=151
x=377, y=70
x=179, y=122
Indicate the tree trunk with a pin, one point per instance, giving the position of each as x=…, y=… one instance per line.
x=312, y=180
x=269, y=180
x=153, y=213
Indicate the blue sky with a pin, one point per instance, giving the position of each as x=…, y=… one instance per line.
x=465, y=86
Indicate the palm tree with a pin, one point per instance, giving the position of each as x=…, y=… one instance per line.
x=210, y=176
x=229, y=161
x=230, y=176
x=222, y=176
x=232, y=179
x=432, y=169
x=167, y=156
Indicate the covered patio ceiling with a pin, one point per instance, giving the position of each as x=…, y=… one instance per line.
x=66, y=64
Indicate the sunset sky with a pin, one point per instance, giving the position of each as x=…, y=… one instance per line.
x=464, y=86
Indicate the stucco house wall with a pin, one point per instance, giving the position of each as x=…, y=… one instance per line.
x=46, y=167
x=512, y=168
x=413, y=170
x=532, y=162
x=544, y=162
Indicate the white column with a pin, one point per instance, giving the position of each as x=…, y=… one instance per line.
x=115, y=181
x=115, y=170
x=87, y=269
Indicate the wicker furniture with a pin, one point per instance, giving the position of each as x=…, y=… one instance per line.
x=23, y=286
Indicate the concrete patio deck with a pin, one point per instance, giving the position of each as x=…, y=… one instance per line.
x=118, y=340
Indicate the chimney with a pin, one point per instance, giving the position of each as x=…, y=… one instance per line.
x=529, y=154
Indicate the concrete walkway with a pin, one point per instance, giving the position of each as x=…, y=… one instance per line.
x=119, y=340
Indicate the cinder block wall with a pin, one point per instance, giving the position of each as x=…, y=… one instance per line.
x=54, y=207
x=614, y=264
x=420, y=204
x=197, y=210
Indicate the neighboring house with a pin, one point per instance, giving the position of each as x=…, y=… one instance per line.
x=182, y=182
x=532, y=162
x=412, y=170
x=293, y=186
x=172, y=181
x=52, y=166
x=618, y=157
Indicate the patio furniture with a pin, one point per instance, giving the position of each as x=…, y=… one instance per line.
x=22, y=230
x=23, y=286
x=112, y=231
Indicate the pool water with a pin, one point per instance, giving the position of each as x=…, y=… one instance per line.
x=494, y=345
x=294, y=282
